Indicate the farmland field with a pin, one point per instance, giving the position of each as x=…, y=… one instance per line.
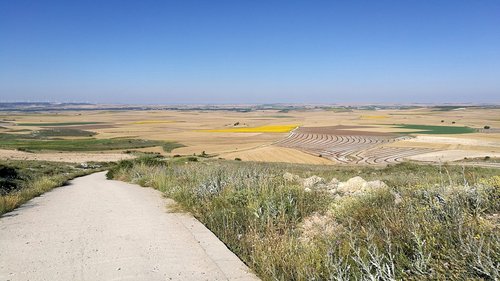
x=310, y=135
x=58, y=124
x=260, y=129
x=84, y=144
x=437, y=130
x=345, y=147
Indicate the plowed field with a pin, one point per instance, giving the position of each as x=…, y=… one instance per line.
x=342, y=144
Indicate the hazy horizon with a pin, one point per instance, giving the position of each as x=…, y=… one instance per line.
x=228, y=52
x=228, y=104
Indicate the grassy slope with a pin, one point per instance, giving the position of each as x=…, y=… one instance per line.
x=442, y=229
x=22, y=180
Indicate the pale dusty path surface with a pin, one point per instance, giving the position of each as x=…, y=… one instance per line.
x=96, y=229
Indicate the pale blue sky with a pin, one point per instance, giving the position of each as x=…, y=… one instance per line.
x=250, y=51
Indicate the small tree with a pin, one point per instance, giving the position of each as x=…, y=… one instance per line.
x=487, y=127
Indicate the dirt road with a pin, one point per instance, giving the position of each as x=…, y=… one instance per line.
x=96, y=229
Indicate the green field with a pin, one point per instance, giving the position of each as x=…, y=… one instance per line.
x=63, y=132
x=44, y=134
x=36, y=141
x=58, y=124
x=85, y=144
x=435, y=130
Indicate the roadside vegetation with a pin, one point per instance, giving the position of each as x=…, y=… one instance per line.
x=426, y=223
x=20, y=181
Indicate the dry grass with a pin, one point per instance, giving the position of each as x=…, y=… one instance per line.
x=260, y=129
x=146, y=122
x=374, y=117
x=443, y=228
x=32, y=189
x=276, y=154
x=24, y=180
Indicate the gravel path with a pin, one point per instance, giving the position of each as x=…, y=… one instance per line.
x=97, y=229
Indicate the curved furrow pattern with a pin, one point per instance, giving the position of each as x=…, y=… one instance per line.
x=355, y=149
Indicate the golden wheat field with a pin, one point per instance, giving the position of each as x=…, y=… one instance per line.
x=296, y=136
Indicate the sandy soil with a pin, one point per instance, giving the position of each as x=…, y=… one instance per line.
x=472, y=140
x=277, y=154
x=96, y=229
x=452, y=155
x=70, y=157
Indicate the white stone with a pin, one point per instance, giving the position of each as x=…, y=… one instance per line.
x=375, y=184
x=313, y=181
x=352, y=185
x=291, y=177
